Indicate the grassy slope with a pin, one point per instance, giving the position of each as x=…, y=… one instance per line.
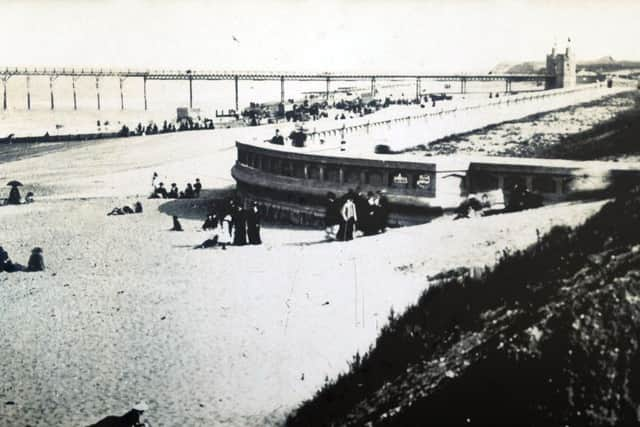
x=550, y=336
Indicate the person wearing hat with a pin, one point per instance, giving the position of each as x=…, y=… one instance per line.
x=36, y=260
x=130, y=419
x=298, y=137
x=197, y=187
x=173, y=192
x=277, y=138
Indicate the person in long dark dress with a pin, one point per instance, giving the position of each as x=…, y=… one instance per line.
x=14, y=196
x=383, y=202
x=239, y=220
x=253, y=224
x=331, y=216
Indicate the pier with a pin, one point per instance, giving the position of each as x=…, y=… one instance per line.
x=144, y=76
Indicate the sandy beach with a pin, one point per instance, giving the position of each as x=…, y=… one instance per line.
x=128, y=310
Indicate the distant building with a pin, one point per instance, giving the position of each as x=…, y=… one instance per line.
x=563, y=66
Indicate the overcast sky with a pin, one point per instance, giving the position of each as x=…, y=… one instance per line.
x=329, y=35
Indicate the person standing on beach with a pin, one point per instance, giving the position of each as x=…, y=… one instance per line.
x=188, y=192
x=239, y=219
x=196, y=188
x=331, y=216
x=349, y=218
x=176, y=224
x=153, y=180
x=253, y=224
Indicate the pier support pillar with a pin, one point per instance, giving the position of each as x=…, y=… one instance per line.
x=282, y=90
x=144, y=91
x=373, y=86
x=327, y=91
x=341, y=175
x=418, y=89
x=75, y=98
x=463, y=85
x=237, y=103
x=4, y=91
x=121, y=93
x=190, y=91
x=98, y=91
x=51, y=79
x=28, y=93
x=321, y=173
x=501, y=182
x=507, y=86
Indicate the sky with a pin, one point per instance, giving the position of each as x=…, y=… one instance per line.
x=303, y=35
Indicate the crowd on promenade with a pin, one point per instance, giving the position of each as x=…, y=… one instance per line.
x=356, y=211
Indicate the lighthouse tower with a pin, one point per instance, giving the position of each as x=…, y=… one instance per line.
x=563, y=67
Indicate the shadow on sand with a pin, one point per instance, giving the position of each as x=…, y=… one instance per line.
x=196, y=208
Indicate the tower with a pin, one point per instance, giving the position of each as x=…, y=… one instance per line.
x=563, y=67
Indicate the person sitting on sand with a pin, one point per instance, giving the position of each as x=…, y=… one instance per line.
x=36, y=260
x=197, y=187
x=209, y=243
x=6, y=264
x=137, y=207
x=176, y=224
x=115, y=211
x=29, y=197
x=161, y=191
x=130, y=419
x=211, y=222
x=173, y=192
x=127, y=210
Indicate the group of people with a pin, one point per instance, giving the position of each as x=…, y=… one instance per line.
x=231, y=224
x=354, y=211
x=35, y=263
x=192, y=191
x=298, y=137
x=125, y=210
x=234, y=224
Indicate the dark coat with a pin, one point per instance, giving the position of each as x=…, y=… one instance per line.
x=332, y=213
x=278, y=140
x=197, y=187
x=253, y=225
x=14, y=196
x=239, y=221
x=36, y=262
